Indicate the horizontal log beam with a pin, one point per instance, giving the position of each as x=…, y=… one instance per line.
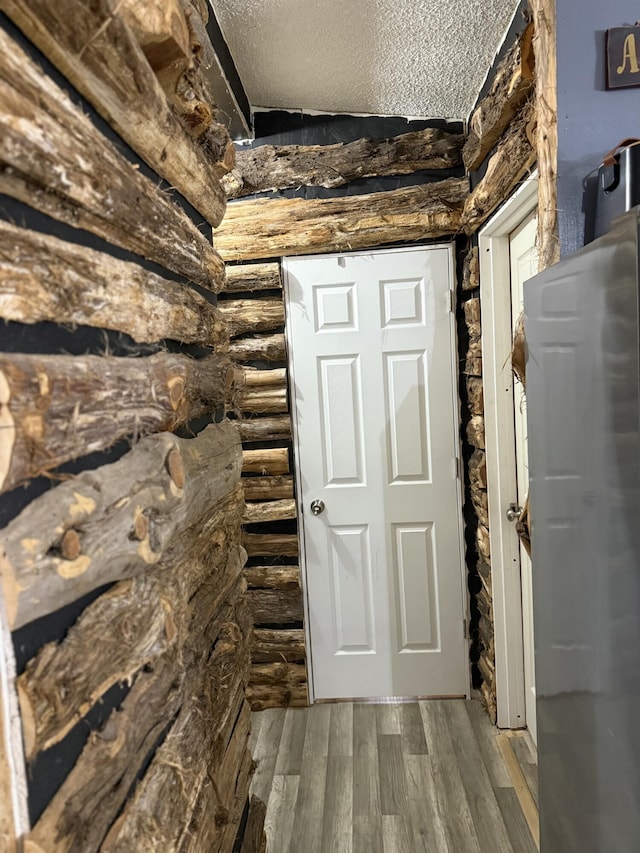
x=263, y=696
x=268, y=460
x=269, y=400
x=268, y=228
x=130, y=626
x=280, y=674
x=206, y=685
x=111, y=760
x=61, y=407
x=261, y=429
x=55, y=160
x=259, y=348
x=46, y=279
x=125, y=516
x=252, y=315
x=511, y=86
x=251, y=277
x=273, y=577
x=94, y=48
x=158, y=815
x=267, y=488
x=275, y=606
x=270, y=167
x=256, y=513
x=273, y=644
x=253, y=378
x=513, y=158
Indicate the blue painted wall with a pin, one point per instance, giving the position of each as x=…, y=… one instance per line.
x=591, y=120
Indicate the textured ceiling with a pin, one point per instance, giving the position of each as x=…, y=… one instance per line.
x=391, y=57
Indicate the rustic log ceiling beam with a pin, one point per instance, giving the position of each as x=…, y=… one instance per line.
x=92, y=45
x=510, y=88
x=46, y=279
x=268, y=228
x=513, y=158
x=60, y=407
x=548, y=242
x=115, y=522
x=270, y=167
x=53, y=159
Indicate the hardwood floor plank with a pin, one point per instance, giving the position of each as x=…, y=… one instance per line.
x=306, y=835
x=367, y=834
x=485, y=811
x=265, y=751
x=388, y=717
x=514, y=819
x=337, y=823
x=316, y=741
x=280, y=812
x=341, y=731
x=486, y=736
x=429, y=834
x=527, y=804
x=396, y=834
x=452, y=800
x=292, y=742
x=413, y=737
x=393, y=787
x=527, y=762
x=366, y=780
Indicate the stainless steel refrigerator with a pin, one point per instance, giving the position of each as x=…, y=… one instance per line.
x=583, y=405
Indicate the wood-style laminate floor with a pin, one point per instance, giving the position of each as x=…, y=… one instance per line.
x=389, y=778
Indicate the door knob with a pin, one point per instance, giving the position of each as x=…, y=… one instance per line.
x=514, y=512
x=317, y=507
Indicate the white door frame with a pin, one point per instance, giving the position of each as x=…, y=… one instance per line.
x=495, y=306
x=296, y=456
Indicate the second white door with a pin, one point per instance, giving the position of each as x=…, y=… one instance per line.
x=376, y=430
x=524, y=265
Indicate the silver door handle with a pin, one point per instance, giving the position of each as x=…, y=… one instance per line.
x=317, y=507
x=514, y=512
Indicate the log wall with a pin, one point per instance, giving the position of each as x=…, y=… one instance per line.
x=121, y=509
x=502, y=149
x=315, y=217
x=261, y=403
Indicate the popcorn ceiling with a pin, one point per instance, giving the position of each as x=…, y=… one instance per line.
x=386, y=57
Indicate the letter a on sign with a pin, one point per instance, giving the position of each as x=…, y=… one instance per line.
x=623, y=44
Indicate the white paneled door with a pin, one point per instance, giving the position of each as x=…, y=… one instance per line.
x=524, y=265
x=376, y=428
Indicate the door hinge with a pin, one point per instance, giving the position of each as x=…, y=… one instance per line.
x=452, y=301
x=465, y=632
x=459, y=473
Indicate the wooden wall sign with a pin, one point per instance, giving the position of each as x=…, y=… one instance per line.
x=623, y=53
